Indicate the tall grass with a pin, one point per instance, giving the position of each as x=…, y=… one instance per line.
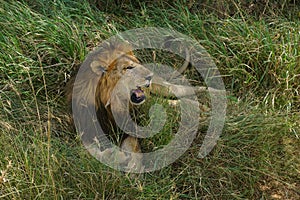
x=42, y=44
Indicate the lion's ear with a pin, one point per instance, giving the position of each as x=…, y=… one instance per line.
x=97, y=68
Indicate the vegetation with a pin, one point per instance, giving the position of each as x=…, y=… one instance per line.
x=255, y=46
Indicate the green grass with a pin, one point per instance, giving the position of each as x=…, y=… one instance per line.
x=257, y=156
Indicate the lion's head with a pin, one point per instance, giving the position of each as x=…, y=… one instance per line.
x=104, y=68
x=122, y=67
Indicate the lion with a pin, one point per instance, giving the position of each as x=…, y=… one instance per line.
x=93, y=88
x=95, y=100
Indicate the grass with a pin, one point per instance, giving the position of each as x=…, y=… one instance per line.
x=257, y=156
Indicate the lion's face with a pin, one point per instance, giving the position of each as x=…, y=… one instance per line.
x=126, y=74
x=135, y=77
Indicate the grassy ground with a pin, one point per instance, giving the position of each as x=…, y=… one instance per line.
x=257, y=157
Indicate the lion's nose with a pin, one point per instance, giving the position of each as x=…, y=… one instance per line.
x=148, y=83
x=148, y=79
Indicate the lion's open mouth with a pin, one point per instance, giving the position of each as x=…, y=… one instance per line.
x=137, y=96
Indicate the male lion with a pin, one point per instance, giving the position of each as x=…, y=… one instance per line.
x=109, y=79
x=93, y=90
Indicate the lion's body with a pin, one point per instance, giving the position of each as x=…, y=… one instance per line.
x=109, y=80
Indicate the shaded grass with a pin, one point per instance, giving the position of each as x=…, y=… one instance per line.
x=257, y=156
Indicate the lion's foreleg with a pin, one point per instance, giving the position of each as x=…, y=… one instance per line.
x=165, y=89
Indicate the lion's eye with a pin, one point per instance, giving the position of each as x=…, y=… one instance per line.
x=129, y=67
